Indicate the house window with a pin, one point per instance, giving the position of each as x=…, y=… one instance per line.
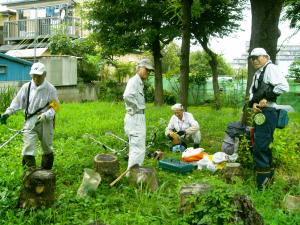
x=3, y=69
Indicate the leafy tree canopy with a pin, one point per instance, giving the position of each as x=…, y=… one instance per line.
x=293, y=13
x=123, y=26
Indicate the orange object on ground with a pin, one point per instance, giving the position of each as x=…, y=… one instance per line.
x=191, y=155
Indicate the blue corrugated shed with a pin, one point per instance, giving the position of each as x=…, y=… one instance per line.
x=14, y=69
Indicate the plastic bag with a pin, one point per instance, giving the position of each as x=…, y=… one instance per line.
x=219, y=157
x=193, y=154
x=91, y=180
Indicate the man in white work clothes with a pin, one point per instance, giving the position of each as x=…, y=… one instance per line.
x=268, y=83
x=38, y=98
x=183, y=128
x=134, y=122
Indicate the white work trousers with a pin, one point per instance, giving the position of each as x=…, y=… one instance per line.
x=135, y=128
x=43, y=131
x=192, y=138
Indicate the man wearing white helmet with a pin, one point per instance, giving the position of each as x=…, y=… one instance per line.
x=134, y=122
x=183, y=128
x=38, y=98
x=268, y=83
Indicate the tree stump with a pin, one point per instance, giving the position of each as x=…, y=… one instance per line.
x=232, y=170
x=246, y=212
x=144, y=178
x=38, y=189
x=107, y=166
x=187, y=191
x=291, y=203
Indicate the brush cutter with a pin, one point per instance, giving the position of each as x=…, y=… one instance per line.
x=100, y=143
x=17, y=132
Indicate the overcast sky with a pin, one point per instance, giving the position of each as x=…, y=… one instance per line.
x=235, y=45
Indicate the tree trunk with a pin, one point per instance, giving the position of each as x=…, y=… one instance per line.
x=185, y=52
x=213, y=63
x=264, y=32
x=159, y=92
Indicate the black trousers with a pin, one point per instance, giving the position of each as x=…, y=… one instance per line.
x=263, y=137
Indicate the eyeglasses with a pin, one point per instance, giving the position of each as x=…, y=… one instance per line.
x=254, y=57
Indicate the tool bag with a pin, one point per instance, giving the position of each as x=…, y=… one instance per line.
x=283, y=118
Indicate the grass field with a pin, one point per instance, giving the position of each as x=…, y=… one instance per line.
x=124, y=204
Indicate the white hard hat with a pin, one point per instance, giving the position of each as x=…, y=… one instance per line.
x=258, y=52
x=177, y=107
x=146, y=63
x=37, y=68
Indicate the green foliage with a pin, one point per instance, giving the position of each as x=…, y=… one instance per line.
x=170, y=59
x=6, y=96
x=294, y=70
x=285, y=147
x=128, y=205
x=245, y=153
x=123, y=70
x=292, y=12
x=213, y=207
x=109, y=90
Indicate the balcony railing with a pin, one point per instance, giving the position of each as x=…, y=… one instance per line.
x=41, y=28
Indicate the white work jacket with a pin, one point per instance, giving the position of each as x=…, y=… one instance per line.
x=187, y=124
x=272, y=76
x=134, y=95
x=38, y=98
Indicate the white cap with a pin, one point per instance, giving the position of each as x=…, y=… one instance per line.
x=37, y=68
x=258, y=52
x=177, y=107
x=146, y=63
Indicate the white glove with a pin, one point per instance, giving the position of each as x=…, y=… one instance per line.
x=41, y=118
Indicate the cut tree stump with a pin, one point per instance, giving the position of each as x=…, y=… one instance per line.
x=38, y=189
x=107, y=166
x=232, y=170
x=144, y=178
x=245, y=212
x=188, y=190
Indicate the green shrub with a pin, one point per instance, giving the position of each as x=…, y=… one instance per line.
x=109, y=90
x=213, y=207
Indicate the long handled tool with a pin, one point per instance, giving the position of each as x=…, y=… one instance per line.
x=123, y=174
x=99, y=143
x=17, y=132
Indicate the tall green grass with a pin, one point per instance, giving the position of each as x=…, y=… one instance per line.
x=124, y=204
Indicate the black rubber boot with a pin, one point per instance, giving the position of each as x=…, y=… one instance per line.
x=47, y=161
x=196, y=145
x=28, y=161
x=263, y=178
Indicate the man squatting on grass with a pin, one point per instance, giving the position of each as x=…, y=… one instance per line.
x=39, y=100
x=134, y=122
x=268, y=83
x=183, y=128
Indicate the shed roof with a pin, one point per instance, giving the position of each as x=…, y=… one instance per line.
x=27, y=53
x=15, y=59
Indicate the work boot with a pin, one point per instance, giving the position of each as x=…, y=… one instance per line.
x=28, y=161
x=196, y=145
x=263, y=178
x=47, y=161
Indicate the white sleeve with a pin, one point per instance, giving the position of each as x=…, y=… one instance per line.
x=50, y=113
x=130, y=94
x=18, y=102
x=170, y=126
x=277, y=79
x=194, y=126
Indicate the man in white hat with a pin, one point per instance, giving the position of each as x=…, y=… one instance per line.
x=39, y=100
x=268, y=83
x=183, y=128
x=134, y=122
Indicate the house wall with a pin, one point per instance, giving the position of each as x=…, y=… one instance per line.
x=14, y=71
